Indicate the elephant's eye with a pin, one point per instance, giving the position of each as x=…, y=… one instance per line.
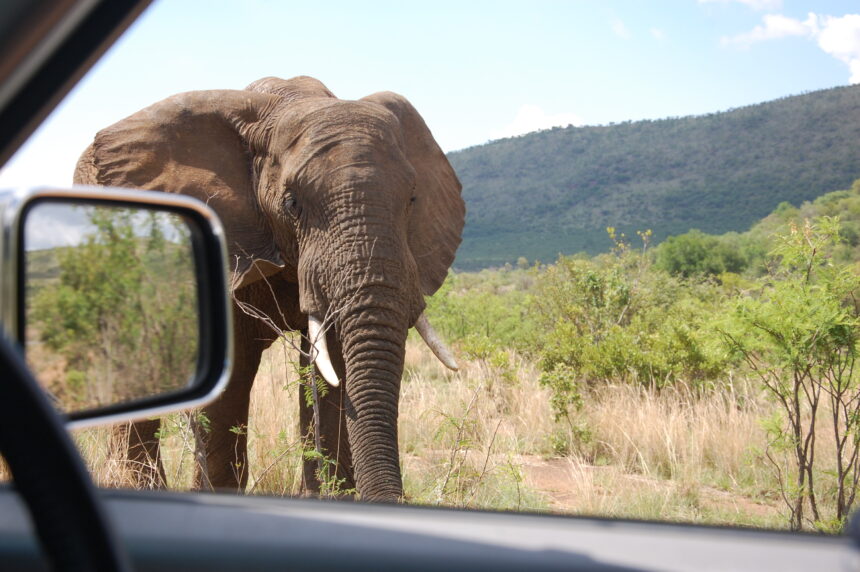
x=292, y=205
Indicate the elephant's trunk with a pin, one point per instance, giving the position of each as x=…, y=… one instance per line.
x=373, y=345
x=364, y=281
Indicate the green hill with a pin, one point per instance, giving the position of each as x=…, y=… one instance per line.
x=556, y=191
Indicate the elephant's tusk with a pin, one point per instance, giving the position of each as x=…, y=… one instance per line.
x=435, y=343
x=319, y=351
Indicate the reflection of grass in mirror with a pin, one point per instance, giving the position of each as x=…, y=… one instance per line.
x=113, y=317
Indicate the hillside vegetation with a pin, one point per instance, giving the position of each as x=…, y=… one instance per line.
x=556, y=191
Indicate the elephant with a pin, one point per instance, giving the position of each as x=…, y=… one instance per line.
x=340, y=217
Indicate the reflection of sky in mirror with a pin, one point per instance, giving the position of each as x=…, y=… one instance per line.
x=52, y=225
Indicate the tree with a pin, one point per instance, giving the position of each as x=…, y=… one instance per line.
x=696, y=254
x=122, y=314
x=799, y=336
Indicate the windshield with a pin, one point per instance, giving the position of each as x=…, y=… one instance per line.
x=652, y=307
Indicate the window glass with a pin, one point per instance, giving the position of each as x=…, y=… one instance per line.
x=653, y=307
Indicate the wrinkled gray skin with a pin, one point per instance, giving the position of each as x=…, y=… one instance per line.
x=345, y=210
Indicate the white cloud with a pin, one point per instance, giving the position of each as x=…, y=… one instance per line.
x=774, y=26
x=50, y=226
x=840, y=37
x=754, y=4
x=532, y=118
x=836, y=36
x=658, y=34
x=620, y=30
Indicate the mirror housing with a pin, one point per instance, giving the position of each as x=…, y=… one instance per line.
x=184, y=227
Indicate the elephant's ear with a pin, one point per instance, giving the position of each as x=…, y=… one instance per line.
x=192, y=144
x=438, y=215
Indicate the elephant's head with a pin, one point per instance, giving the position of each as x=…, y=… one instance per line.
x=353, y=200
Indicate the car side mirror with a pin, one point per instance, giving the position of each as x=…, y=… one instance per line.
x=118, y=299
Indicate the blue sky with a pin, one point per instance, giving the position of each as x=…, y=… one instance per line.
x=477, y=70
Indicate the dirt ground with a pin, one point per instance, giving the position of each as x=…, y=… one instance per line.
x=564, y=483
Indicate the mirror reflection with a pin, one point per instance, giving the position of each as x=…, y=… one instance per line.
x=111, y=303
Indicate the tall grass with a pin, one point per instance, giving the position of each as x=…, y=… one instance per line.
x=630, y=451
x=485, y=437
x=462, y=434
x=673, y=455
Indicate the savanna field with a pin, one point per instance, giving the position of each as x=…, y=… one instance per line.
x=708, y=379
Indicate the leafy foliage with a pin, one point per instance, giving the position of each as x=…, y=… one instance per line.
x=799, y=336
x=698, y=254
x=486, y=311
x=774, y=307
x=616, y=318
x=120, y=316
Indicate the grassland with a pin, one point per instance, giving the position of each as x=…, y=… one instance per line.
x=485, y=438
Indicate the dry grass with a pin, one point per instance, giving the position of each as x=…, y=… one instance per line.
x=461, y=433
x=274, y=443
x=670, y=455
x=485, y=437
x=629, y=452
x=673, y=434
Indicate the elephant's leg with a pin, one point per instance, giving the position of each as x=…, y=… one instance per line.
x=223, y=428
x=142, y=453
x=332, y=436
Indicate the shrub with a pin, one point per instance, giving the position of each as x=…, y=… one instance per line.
x=616, y=318
x=698, y=254
x=119, y=311
x=485, y=312
x=799, y=336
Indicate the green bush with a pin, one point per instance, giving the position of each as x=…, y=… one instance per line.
x=698, y=254
x=616, y=318
x=119, y=310
x=798, y=333
x=486, y=311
